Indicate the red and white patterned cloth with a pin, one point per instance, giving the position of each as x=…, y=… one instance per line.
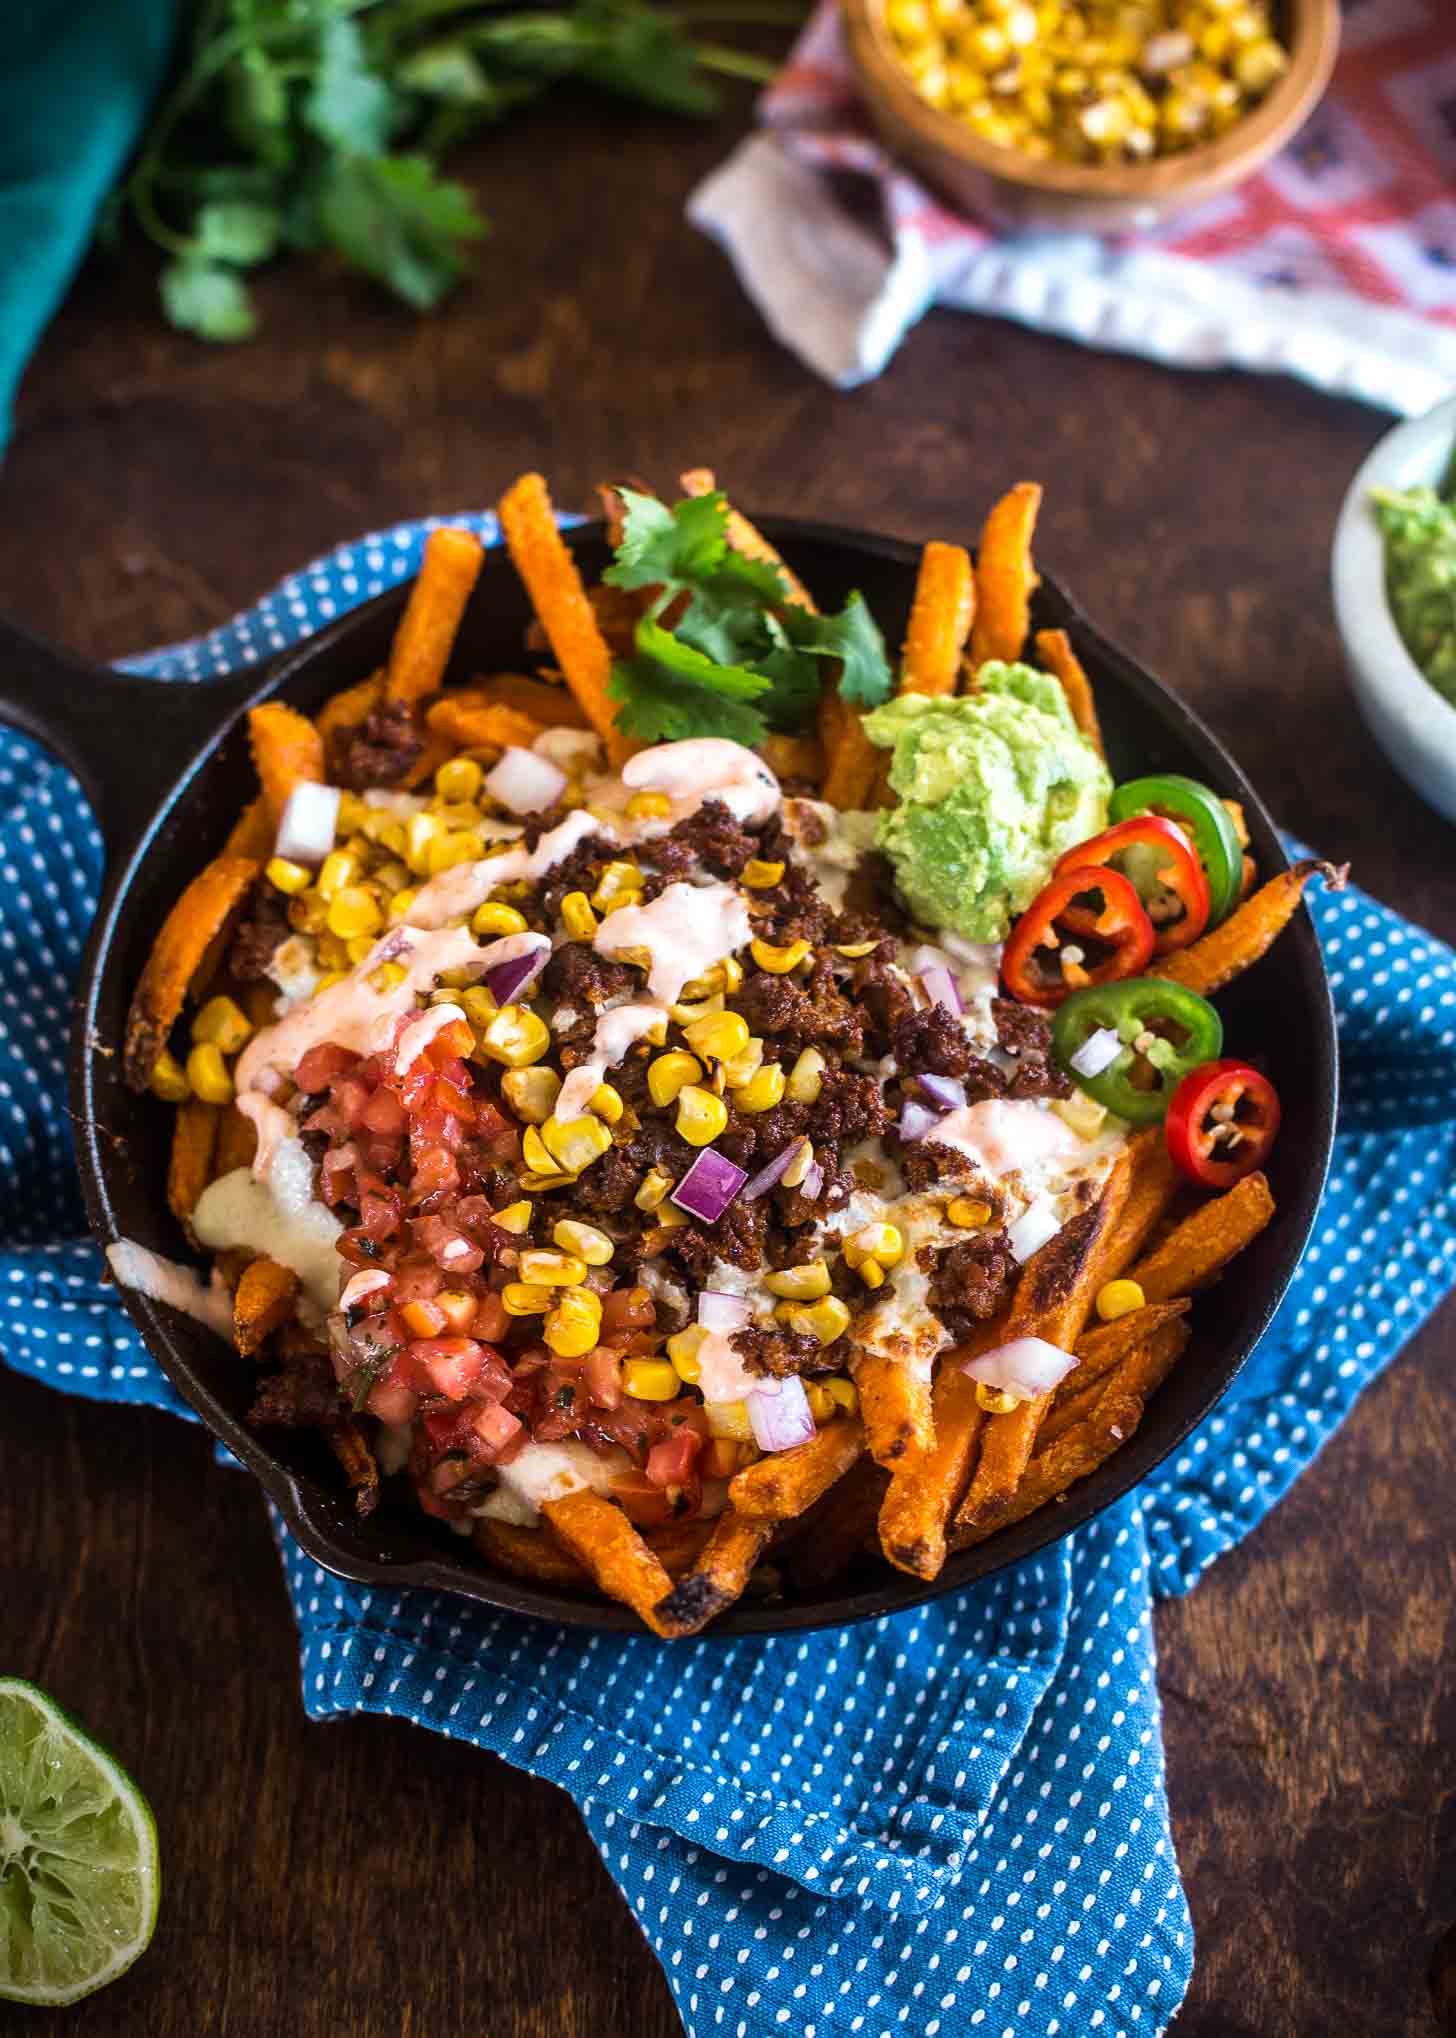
x=1336, y=263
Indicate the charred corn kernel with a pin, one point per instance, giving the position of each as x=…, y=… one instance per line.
x=762, y=876
x=308, y=913
x=531, y=1092
x=729, y=1419
x=649, y=807
x=616, y=883
x=447, y=851
x=606, y=1104
x=361, y=948
x=575, y=1324
x=732, y=970
x=460, y=779
x=995, y=1400
x=682, y=1350
x=793, y=1175
x=704, y=986
x=825, y=1320
x=1119, y=1298
x=420, y=832
x=333, y=952
x=392, y=877
x=402, y=905
x=718, y=1037
x=649, y=1380
x=967, y=1214
x=762, y=1091
x=853, y=950
x=207, y=1073
x=743, y=1067
x=778, y=961
x=524, y=1298
x=1082, y=1113
x=224, y=1023
x=882, y=1242
x=701, y=1117
x=515, y=1036
x=821, y=1402
x=806, y=1077
x=845, y=1393
x=354, y=814
x=799, y=1284
x=457, y=814
x=576, y=1144
x=493, y=918
x=169, y=1079
x=584, y=1241
x=515, y=1218
x=537, y=1156
x=352, y=910
x=545, y=1269
x=686, y=1011
x=479, y=1006
x=871, y=1273
x=337, y=870
x=668, y=1073
x=670, y=1218
x=653, y=1190
x=577, y=916
x=284, y=876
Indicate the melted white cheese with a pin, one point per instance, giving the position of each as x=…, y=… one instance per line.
x=845, y=838
x=685, y=931
x=147, y=1273
x=279, y=1216
x=549, y=1472
x=707, y=768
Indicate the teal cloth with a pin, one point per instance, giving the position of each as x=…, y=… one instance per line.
x=78, y=79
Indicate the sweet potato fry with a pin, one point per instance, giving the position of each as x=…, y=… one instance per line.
x=782, y=1484
x=194, y=1137
x=894, y=1400
x=182, y=957
x=237, y=1142
x=536, y=700
x=677, y=1545
x=746, y=538
x=1074, y=1456
x=287, y=751
x=926, y=1485
x=851, y=761
x=1152, y=1184
x=825, y=1541
x=1054, y=649
x=482, y=725
x=1143, y=1366
x=1196, y=1251
x=348, y=709
x=940, y=620
x=1106, y=1345
x=1249, y=931
x=253, y=831
x=346, y=1440
x=555, y=588
x=1005, y=575
x=527, y=1553
x=263, y=1303
x=718, y=1578
x=791, y=757
x=431, y=620
x=601, y=1538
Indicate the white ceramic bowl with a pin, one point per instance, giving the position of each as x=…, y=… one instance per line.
x=1412, y=723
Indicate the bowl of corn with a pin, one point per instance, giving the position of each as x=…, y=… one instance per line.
x=1098, y=116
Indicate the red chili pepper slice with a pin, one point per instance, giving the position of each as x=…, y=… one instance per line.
x=1162, y=865
x=1112, y=939
x=1222, y=1121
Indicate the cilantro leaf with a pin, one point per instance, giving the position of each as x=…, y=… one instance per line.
x=853, y=636
x=349, y=106
x=664, y=547
x=205, y=298
x=687, y=662
x=237, y=230
x=394, y=218
x=658, y=708
x=641, y=55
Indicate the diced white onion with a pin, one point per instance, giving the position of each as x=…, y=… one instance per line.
x=367, y=1282
x=524, y=782
x=780, y=1415
x=1027, y=1366
x=721, y=1312
x=306, y=828
x=1032, y=1229
x=1097, y=1052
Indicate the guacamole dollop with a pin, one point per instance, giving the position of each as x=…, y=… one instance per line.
x=993, y=787
x=1419, y=527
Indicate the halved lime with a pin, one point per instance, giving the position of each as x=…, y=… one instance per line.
x=79, y=1874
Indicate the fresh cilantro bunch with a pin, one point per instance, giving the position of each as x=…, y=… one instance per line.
x=721, y=651
x=319, y=125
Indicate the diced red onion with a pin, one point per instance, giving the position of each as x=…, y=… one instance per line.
x=1097, y=1052
x=709, y=1186
x=942, y=989
x=917, y=1119
x=770, y=1177
x=721, y=1312
x=1027, y=1366
x=525, y=783
x=508, y=979
x=307, y=824
x=947, y=1091
x=367, y=1282
x=779, y=1413
x=812, y=1183
x=1032, y=1229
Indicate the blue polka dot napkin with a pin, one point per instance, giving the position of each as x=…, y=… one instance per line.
x=952, y=1820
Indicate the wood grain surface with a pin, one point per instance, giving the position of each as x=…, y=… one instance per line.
x=372, y=1879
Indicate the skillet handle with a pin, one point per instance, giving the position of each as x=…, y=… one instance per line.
x=127, y=738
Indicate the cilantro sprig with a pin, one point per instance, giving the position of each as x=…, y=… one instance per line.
x=320, y=125
x=721, y=651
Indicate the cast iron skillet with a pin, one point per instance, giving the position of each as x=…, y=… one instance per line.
x=166, y=766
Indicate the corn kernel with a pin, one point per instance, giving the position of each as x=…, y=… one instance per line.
x=421, y=831
x=524, y=1298
x=402, y=905
x=704, y=986
x=460, y=779
x=967, y=1214
x=685, y=1011
x=995, y=1400
x=606, y=1103
x=871, y=1273
x=360, y=948
x=882, y=1242
x=670, y=1218
x=531, y=1092
x=845, y=1393
x=208, y=1074
x=799, y=1284
x=853, y=950
x=479, y=1006
x=353, y=911
x=806, y=1077
x=743, y=1067
x=333, y=952
x=1258, y=64
x=457, y=814
x=337, y=870
x=578, y=1143
x=446, y=852
x=778, y=961
x=583, y=1241
x=515, y=1036
x=169, y=1079
x=353, y=814
x=668, y=1073
x=682, y=1350
x=760, y=876
x=224, y=1023
x=649, y=1380
x=1082, y=1113
x=308, y=913
x=762, y=1091
x=821, y=1402
x=493, y=918
x=577, y=916
x=619, y=883
x=552, y=1270
x=701, y=1117
x=1119, y=1298
x=328, y=980
x=649, y=807
x=515, y=1218
x=824, y=1320
x=793, y=1175
x=718, y=1037
x=284, y=876
x=729, y=1419
x=534, y=1151
x=575, y=1324
x=653, y=1190
x=392, y=877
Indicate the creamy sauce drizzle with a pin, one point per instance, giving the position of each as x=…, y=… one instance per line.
x=469, y=885
x=549, y=1472
x=616, y=1032
x=147, y=1273
x=685, y=931
x=281, y=1217
x=417, y=1036
x=707, y=768
x=1003, y=1137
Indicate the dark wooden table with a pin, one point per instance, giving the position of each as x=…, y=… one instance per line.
x=368, y=1877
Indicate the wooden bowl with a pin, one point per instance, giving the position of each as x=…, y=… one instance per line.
x=1013, y=191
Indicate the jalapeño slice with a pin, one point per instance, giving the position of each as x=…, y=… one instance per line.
x=1208, y=821
x=1165, y=1031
